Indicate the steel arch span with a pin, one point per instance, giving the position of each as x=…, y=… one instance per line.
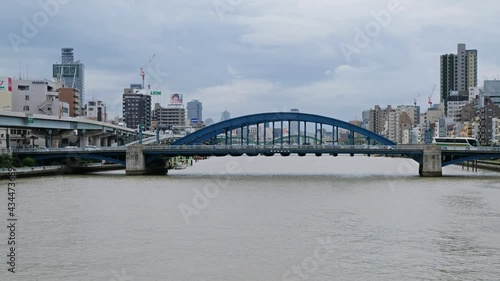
x=211, y=132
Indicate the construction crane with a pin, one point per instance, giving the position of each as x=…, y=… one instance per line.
x=430, y=97
x=415, y=100
x=143, y=74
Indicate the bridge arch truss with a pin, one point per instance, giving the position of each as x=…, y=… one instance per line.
x=253, y=127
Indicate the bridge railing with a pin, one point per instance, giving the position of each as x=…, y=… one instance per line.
x=280, y=147
x=465, y=148
x=63, y=149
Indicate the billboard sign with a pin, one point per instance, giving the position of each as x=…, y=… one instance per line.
x=155, y=93
x=176, y=99
x=194, y=120
x=6, y=84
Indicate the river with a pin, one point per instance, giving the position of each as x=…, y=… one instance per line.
x=262, y=218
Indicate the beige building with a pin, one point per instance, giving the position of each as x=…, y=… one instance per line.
x=37, y=97
x=432, y=115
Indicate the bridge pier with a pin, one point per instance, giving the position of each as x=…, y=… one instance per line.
x=136, y=163
x=431, y=162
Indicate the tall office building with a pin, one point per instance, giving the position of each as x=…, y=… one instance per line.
x=70, y=73
x=225, y=116
x=136, y=109
x=458, y=73
x=294, y=125
x=195, y=110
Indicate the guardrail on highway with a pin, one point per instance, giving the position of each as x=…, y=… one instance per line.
x=77, y=149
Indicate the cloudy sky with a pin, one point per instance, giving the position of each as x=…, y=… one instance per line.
x=330, y=57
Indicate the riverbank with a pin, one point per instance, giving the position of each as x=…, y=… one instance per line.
x=59, y=170
x=35, y=171
x=488, y=165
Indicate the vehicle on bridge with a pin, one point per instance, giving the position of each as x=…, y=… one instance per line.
x=91, y=148
x=465, y=142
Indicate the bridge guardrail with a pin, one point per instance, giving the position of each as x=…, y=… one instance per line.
x=59, y=149
x=281, y=147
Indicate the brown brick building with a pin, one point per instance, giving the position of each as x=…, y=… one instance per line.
x=72, y=97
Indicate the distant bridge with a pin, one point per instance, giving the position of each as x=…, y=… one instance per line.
x=148, y=159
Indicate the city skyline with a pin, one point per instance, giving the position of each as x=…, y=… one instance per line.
x=246, y=63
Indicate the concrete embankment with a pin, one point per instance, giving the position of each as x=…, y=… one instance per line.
x=58, y=170
x=35, y=171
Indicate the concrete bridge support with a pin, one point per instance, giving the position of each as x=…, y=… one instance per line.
x=431, y=162
x=136, y=163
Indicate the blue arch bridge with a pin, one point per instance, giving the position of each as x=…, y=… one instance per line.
x=268, y=134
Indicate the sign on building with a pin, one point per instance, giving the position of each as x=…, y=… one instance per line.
x=6, y=84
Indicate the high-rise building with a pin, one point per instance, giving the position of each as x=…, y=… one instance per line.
x=195, y=111
x=458, y=73
x=491, y=91
x=209, y=121
x=70, y=73
x=378, y=116
x=294, y=125
x=486, y=115
x=225, y=116
x=136, y=109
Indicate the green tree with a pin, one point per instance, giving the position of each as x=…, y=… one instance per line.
x=16, y=162
x=28, y=162
x=5, y=161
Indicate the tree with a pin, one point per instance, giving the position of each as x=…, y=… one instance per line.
x=5, y=161
x=28, y=162
x=16, y=162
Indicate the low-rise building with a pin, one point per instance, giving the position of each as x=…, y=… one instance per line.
x=169, y=117
x=37, y=97
x=96, y=110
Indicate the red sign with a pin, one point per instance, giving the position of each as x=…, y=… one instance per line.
x=6, y=84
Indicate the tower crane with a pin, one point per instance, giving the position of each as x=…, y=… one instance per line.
x=143, y=74
x=430, y=97
x=415, y=100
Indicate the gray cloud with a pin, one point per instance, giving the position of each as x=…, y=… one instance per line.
x=259, y=55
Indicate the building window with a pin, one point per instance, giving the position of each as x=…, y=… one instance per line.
x=23, y=87
x=27, y=97
x=26, y=108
